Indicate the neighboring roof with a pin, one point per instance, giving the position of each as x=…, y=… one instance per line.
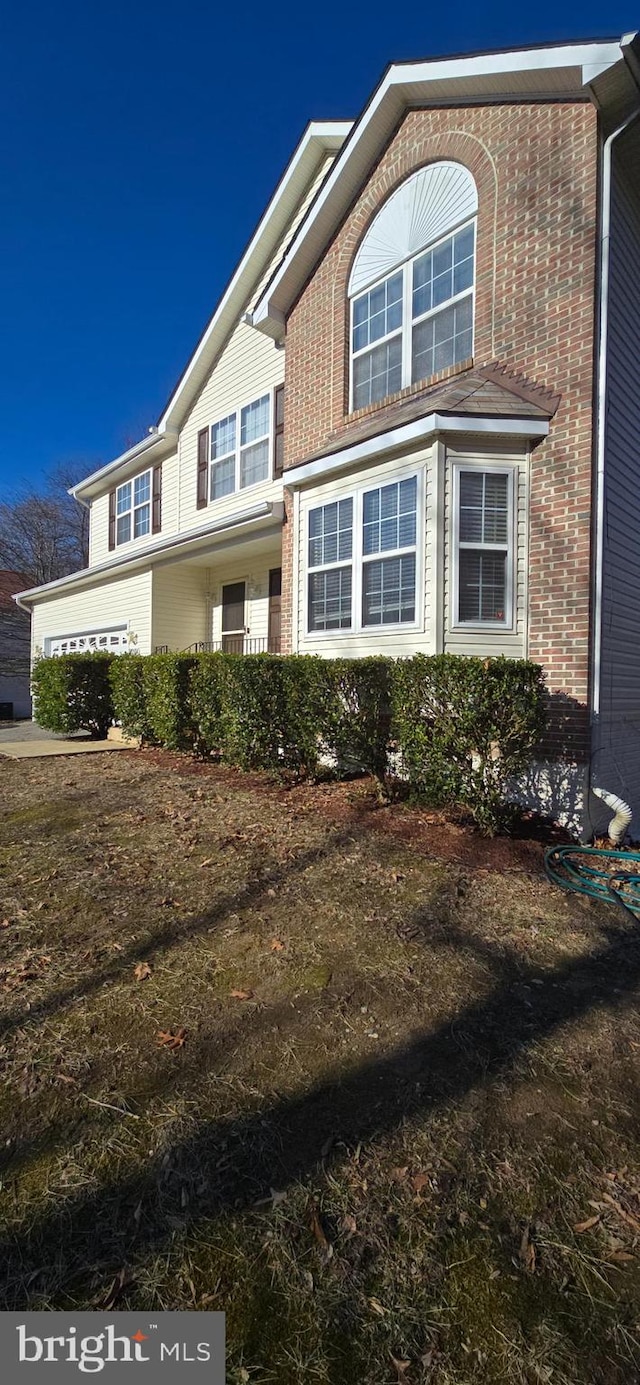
x=490, y=391
x=10, y=583
x=559, y=73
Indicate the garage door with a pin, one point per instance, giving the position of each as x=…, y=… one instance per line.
x=115, y=640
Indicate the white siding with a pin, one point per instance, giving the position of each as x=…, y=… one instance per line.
x=616, y=764
x=180, y=605
x=99, y=517
x=123, y=601
x=434, y=634
x=254, y=572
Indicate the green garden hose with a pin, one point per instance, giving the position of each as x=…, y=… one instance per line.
x=570, y=868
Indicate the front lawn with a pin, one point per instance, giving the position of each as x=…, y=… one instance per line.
x=362, y=1079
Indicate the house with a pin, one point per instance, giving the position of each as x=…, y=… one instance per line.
x=412, y=423
x=15, y=696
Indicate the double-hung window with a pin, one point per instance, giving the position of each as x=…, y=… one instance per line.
x=362, y=559
x=133, y=508
x=416, y=322
x=240, y=448
x=483, y=523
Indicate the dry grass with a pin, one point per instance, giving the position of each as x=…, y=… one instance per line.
x=405, y=1150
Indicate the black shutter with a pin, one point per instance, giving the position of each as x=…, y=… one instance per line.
x=112, y=520
x=203, y=467
x=278, y=432
x=156, y=519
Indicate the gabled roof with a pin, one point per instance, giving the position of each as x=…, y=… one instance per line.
x=319, y=139
x=490, y=392
x=560, y=73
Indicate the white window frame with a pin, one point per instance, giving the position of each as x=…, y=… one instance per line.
x=405, y=331
x=239, y=449
x=357, y=560
x=133, y=509
x=508, y=625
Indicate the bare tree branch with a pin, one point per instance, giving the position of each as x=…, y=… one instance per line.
x=45, y=534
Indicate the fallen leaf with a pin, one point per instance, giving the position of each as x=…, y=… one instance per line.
x=166, y=1039
x=420, y=1181
x=401, y=1366
x=581, y=1226
x=622, y=1256
x=209, y=862
x=378, y=1307
x=142, y=971
x=349, y=1224
x=241, y=995
x=276, y=945
x=4, y=923
x=318, y=1230
x=398, y=1175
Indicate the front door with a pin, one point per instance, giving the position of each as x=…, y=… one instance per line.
x=233, y=623
x=275, y=608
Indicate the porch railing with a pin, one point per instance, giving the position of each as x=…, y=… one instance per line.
x=236, y=644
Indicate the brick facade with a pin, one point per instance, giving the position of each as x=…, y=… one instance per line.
x=535, y=166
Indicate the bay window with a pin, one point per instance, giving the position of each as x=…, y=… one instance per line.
x=362, y=559
x=483, y=557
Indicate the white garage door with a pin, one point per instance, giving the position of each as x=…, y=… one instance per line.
x=115, y=641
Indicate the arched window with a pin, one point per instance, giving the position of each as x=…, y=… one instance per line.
x=412, y=284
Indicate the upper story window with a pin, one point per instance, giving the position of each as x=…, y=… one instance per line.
x=133, y=508
x=236, y=451
x=412, y=284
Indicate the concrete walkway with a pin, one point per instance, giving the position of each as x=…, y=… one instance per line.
x=25, y=741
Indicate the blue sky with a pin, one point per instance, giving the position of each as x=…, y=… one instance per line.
x=140, y=143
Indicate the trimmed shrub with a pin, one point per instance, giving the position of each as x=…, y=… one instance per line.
x=205, y=703
x=465, y=727
x=73, y=693
x=166, y=681
x=127, y=676
x=362, y=714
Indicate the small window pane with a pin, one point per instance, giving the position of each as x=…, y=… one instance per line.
x=254, y=464
x=254, y=420
x=223, y=478
x=123, y=498
x=442, y=340
x=142, y=488
x=377, y=374
x=482, y=582
x=389, y=517
x=389, y=591
x=378, y=312
x=141, y=521
x=484, y=507
x=330, y=599
x=223, y=437
x=331, y=533
x=123, y=528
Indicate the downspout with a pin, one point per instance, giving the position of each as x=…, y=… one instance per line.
x=603, y=330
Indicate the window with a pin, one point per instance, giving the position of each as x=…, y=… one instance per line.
x=240, y=449
x=362, y=559
x=133, y=508
x=484, y=557
x=416, y=322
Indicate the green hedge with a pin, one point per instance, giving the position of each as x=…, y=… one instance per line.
x=73, y=693
x=454, y=730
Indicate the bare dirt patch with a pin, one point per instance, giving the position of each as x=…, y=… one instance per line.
x=354, y=1074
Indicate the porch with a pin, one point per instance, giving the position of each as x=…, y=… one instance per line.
x=232, y=604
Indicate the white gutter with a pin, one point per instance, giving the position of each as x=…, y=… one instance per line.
x=266, y=510
x=154, y=442
x=601, y=406
x=415, y=432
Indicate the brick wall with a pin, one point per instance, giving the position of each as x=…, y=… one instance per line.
x=535, y=168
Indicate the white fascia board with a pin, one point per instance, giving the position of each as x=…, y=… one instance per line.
x=319, y=139
x=155, y=444
x=418, y=431
x=255, y=516
x=407, y=84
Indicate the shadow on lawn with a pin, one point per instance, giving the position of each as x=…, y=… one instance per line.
x=234, y=1162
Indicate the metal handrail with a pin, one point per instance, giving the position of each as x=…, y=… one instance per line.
x=236, y=644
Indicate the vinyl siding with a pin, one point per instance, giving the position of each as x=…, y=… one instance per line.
x=99, y=519
x=616, y=764
x=180, y=605
x=255, y=573
x=124, y=601
x=434, y=633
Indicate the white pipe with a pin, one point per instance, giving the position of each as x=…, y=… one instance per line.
x=620, y=822
x=601, y=405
